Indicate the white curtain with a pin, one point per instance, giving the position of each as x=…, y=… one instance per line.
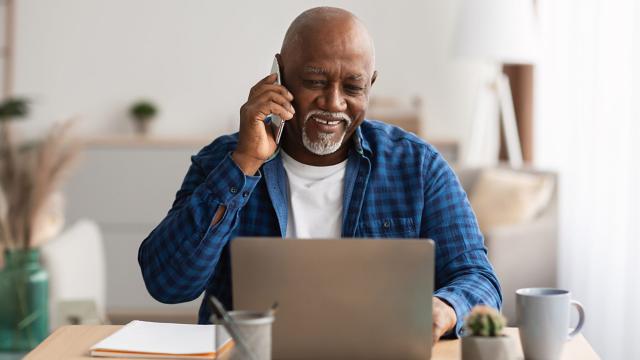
x=588, y=128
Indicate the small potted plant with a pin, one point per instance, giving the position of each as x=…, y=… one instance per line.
x=13, y=108
x=484, y=339
x=142, y=113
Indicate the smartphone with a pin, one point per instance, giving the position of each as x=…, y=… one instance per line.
x=277, y=124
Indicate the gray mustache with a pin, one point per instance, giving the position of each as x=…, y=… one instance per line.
x=329, y=115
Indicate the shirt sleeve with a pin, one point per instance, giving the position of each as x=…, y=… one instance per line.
x=464, y=276
x=181, y=253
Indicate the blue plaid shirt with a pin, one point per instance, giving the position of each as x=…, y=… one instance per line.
x=396, y=186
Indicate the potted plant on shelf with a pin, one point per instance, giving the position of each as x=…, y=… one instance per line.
x=13, y=108
x=143, y=112
x=31, y=213
x=484, y=339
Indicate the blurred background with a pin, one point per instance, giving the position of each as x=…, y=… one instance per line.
x=535, y=104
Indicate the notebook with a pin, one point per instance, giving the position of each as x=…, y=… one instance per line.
x=143, y=339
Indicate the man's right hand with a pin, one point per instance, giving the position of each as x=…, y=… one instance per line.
x=256, y=141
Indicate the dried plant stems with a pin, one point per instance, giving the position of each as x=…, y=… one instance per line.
x=29, y=175
x=7, y=179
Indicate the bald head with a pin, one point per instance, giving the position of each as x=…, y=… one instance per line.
x=330, y=26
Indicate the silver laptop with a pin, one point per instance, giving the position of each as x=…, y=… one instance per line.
x=339, y=299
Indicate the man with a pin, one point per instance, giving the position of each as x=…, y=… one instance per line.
x=334, y=175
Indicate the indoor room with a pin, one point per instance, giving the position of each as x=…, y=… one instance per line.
x=444, y=179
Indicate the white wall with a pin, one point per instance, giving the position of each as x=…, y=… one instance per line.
x=197, y=59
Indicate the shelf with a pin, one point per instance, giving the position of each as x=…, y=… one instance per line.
x=147, y=141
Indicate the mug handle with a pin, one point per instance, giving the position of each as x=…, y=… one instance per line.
x=578, y=327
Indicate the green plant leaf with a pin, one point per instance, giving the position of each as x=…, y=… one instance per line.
x=14, y=108
x=143, y=110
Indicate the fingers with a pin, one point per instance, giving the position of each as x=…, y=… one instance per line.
x=273, y=88
x=269, y=79
x=262, y=110
x=279, y=110
x=266, y=84
x=437, y=332
x=276, y=98
x=444, y=319
x=270, y=99
x=266, y=98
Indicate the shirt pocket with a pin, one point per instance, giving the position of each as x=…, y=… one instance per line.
x=387, y=228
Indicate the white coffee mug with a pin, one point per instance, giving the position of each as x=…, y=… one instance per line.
x=543, y=321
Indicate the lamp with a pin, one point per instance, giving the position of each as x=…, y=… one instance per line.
x=502, y=32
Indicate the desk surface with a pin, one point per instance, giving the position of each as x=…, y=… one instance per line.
x=73, y=342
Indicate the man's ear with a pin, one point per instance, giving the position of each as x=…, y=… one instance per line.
x=374, y=77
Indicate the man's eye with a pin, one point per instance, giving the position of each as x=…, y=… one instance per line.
x=354, y=89
x=315, y=83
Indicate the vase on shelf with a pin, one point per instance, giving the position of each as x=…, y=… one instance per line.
x=143, y=126
x=24, y=301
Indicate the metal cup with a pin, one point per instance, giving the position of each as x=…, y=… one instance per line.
x=255, y=327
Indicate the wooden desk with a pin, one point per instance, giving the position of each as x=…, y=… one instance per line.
x=73, y=342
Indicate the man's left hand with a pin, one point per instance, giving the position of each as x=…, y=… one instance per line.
x=444, y=319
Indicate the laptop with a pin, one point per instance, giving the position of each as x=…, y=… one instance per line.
x=339, y=298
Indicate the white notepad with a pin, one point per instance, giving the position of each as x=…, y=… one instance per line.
x=164, y=340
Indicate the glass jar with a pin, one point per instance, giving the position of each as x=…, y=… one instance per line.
x=24, y=301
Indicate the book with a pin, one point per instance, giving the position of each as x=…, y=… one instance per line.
x=152, y=340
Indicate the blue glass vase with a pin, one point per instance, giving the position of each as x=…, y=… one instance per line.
x=24, y=301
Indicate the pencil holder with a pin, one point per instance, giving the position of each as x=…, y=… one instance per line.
x=256, y=330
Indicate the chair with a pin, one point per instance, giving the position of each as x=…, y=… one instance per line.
x=75, y=261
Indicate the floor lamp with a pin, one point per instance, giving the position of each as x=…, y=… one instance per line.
x=498, y=32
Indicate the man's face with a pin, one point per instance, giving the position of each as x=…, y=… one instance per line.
x=330, y=82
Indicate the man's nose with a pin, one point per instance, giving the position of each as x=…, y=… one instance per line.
x=333, y=99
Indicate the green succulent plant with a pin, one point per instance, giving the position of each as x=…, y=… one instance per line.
x=143, y=110
x=12, y=108
x=484, y=321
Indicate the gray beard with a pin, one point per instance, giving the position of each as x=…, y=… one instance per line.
x=324, y=145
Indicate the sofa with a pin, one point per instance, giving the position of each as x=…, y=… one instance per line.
x=525, y=253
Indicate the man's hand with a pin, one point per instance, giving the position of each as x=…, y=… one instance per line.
x=444, y=319
x=256, y=142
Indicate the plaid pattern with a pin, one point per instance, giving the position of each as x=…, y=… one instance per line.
x=396, y=186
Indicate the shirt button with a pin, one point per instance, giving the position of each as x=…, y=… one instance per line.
x=245, y=194
x=386, y=224
x=233, y=189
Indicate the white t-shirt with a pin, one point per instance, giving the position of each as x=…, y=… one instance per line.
x=315, y=199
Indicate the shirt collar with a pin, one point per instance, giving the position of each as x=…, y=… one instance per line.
x=360, y=143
